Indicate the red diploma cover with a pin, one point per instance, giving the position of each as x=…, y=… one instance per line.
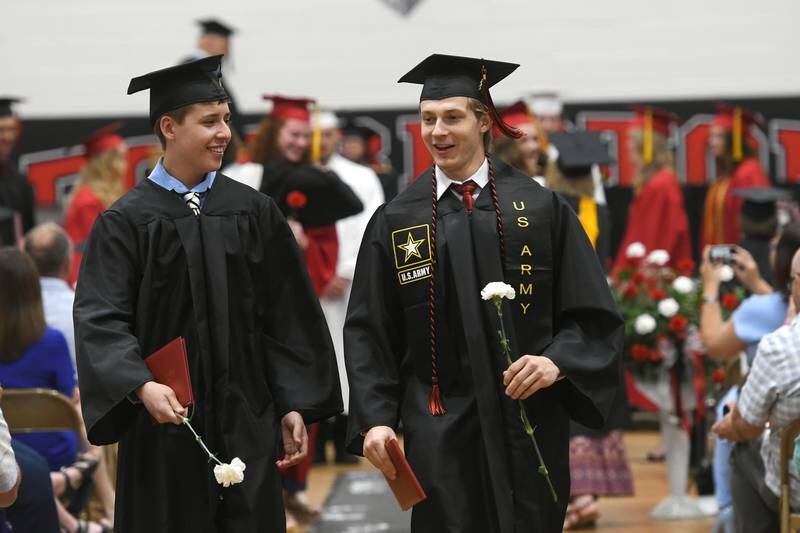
x=405, y=486
x=170, y=367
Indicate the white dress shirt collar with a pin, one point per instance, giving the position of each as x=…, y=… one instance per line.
x=481, y=177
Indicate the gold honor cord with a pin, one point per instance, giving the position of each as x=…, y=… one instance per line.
x=647, y=142
x=737, y=134
x=587, y=214
x=316, y=139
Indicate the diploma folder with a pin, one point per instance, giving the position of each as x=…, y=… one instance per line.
x=405, y=486
x=169, y=366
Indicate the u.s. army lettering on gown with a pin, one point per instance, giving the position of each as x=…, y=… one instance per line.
x=526, y=260
x=412, y=253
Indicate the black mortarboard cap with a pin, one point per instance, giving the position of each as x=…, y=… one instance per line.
x=181, y=85
x=578, y=151
x=5, y=105
x=216, y=27
x=444, y=76
x=351, y=128
x=759, y=202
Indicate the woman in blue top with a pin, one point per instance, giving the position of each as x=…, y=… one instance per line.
x=34, y=355
x=761, y=313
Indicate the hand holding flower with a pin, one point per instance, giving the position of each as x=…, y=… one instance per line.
x=529, y=374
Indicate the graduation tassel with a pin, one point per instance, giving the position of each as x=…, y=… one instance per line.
x=737, y=134
x=435, y=404
x=316, y=139
x=647, y=142
x=507, y=130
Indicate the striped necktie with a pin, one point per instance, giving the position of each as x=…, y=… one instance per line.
x=192, y=199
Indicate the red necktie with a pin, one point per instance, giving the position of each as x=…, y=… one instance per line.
x=465, y=190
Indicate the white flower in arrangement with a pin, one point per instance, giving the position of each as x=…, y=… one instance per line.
x=635, y=250
x=658, y=257
x=230, y=474
x=726, y=273
x=683, y=285
x=644, y=324
x=668, y=307
x=498, y=289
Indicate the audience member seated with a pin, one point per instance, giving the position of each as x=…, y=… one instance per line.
x=769, y=402
x=51, y=250
x=34, y=355
x=760, y=314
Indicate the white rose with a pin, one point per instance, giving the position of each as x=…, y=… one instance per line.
x=668, y=307
x=635, y=250
x=230, y=474
x=498, y=289
x=726, y=273
x=683, y=285
x=658, y=257
x=644, y=324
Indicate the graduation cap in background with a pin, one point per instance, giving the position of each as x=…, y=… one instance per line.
x=760, y=202
x=181, y=85
x=216, y=27
x=546, y=104
x=651, y=120
x=578, y=151
x=518, y=114
x=104, y=139
x=311, y=196
x=5, y=105
x=350, y=128
x=286, y=107
x=445, y=76
x=739, y=121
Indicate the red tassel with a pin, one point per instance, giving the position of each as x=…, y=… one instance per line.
x=507, y=130
x=435, y=403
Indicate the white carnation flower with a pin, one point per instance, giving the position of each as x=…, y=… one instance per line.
x=230, y=474
x=658, y=257
x=668, y=307
x=498, y=289
x=726, y=273
x=683, y=285
x=635, y=250
x=644, y=324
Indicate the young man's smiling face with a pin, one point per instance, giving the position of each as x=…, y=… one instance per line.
x=200, y=139
x=453, y=134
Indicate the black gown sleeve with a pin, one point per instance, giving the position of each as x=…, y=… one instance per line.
x=588, y=328
x=300, y=359
x=110, y=365
x=373, y=345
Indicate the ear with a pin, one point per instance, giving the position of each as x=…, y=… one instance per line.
x=167, y=125
x=484, y=122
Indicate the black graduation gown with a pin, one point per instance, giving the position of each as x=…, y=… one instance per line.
x=475, y=463
x=619, y=413
x=233, y=283
x=16, y=193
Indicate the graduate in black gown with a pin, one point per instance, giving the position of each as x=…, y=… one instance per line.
x=190, y=252
x=16, y=192
x=422, y=348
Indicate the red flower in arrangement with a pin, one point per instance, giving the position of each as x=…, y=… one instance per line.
x=296, y=200
x=638, y=277
x=678, y=324
x=718, y=376
x=640, y=352
x=729, y=301
x=685, y=266
x=655, y=356
x=657, y=294
x=631, y=291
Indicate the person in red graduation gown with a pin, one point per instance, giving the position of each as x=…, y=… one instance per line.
x=100, y=185
x=738, y=167
x=657, y=216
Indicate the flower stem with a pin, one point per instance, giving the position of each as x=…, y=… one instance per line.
x=199, y=440
x=523, y=414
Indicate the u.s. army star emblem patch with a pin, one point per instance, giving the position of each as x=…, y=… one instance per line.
x=412, y=254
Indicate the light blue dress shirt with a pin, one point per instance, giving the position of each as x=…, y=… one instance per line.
x=164, y=179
